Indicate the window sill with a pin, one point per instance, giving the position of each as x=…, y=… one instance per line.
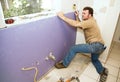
x=30, y=18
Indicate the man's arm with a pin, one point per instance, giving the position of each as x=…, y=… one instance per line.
x=71, y=22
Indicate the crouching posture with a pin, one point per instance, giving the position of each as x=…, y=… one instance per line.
x=94, y=42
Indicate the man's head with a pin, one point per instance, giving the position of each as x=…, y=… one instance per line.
x=87, y=13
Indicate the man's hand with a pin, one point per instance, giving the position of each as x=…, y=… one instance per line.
x=71, y=22
x=76, y=13
x=61, y=15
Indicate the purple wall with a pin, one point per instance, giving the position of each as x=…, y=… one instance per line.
x=24, y=45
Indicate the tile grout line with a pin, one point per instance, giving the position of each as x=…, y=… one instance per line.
x=118, y=74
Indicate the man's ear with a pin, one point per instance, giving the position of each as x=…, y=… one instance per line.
x=90, y=15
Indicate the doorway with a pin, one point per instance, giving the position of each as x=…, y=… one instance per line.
x=116, y=38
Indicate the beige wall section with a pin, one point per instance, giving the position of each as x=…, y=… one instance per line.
x=117, y=31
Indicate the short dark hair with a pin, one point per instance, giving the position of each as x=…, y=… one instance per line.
x=89, y=9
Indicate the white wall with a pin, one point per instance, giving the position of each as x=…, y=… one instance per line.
x=106, y=14
x=67, y=5
x=108, y=23
x=2, y=22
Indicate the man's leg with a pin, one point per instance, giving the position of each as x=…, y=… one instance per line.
x=97, y=63
x=100, y=69
x=80, y=48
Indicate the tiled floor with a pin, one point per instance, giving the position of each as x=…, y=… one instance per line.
x=82, y=67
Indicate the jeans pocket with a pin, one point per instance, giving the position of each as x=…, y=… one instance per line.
x=97, y=48
x=100, y=51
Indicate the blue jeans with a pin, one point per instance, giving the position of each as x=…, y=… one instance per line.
x=95, y=49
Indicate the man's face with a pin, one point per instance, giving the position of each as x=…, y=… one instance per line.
x=85, y=14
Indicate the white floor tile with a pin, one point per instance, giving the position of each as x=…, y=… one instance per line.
x=50, y=77
x=91, y=72
x=111, y=78
x=81, y=58
x=84, y=78
x=112, y=70
x=115, y=56
x=113, y=62
x=119, y=74
x=118, y=80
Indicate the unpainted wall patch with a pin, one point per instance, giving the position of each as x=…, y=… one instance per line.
x=103, y=9
x=112, y=2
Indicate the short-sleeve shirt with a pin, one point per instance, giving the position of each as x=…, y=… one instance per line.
x=91, y=31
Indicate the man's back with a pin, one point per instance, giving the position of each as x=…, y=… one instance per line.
x=91, y=31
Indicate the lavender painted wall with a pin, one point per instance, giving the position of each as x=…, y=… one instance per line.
x=24, y=45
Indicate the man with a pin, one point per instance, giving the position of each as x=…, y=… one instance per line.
x=94, y=42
